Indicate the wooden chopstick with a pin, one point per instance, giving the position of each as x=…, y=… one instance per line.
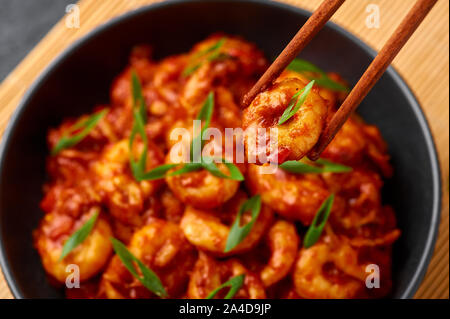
x=373, y=73
x=317, y=20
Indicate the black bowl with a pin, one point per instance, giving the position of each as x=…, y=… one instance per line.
x=80, y=78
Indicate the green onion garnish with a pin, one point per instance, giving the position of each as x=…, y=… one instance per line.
x=138, y=98
x=205, y=115
x=301, y=66
x=138, y=167
x=158, y=172
x=207, y=164
x=331, y=167
x=85, y=125
x=318, y=223
x=147, y=277
x=234, y=283
x=210, y=166
x=296, y=102
x=187, y=168
x=79, y=236
x=140, y=116
x=325, y=166
x=237, y=232
x=211, y=53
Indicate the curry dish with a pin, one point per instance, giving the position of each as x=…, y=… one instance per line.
x=138, y=223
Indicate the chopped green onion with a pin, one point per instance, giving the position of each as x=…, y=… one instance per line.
x=234, y=283
x=318, y=223
x=325, y=166
x=187, y=168
x=138, y=167
x=147, y=277
x=298, y=167
x=161, y=171
x=138, y=98
x=235, y=173
x=214, y=47
x=158, y=172
x=200, y=57
x=211, y=167
x=86, y=126
x=191, y=69
x=296, y=102
x=331, y=167
x=205, y=115
x=237, y=232
x=301, y=66
x=79, y=236
x=140, y=116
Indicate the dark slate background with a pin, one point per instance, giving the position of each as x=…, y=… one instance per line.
x=23, y=23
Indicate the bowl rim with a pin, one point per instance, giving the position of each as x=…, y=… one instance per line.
x=421, y=269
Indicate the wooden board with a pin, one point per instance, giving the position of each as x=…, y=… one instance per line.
x=423, y=62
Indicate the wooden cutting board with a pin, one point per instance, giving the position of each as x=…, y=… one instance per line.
x=423, y=62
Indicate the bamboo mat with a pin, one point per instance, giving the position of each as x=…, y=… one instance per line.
x=423, y=62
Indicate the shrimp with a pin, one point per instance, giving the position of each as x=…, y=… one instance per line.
x=90, y=256
x=167, y=82
x=295, y=137
x=71, y=200
x=283, y=241
x=172, y=208
x=121, y=193
x=161, y=96
x=357, y=142
x=124, y=231
x=332, y=98
x=208, y=274
x=201, y=189
x=359, y=197
x=121, y=115
x=161, y=84
x=178, y=225
x=101, y=135
x=141, y=63
x=161, y=246
x=329, y=270
x=226, y=113
x=358, y=212
x=225, y=123
x=239, y=66
x=181, y=131
x=70, y=166
x=294, y=196
x=275, y=255
x=124, y=198
x=207, y=231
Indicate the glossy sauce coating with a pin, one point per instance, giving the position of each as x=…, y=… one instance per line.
x=178, y=225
